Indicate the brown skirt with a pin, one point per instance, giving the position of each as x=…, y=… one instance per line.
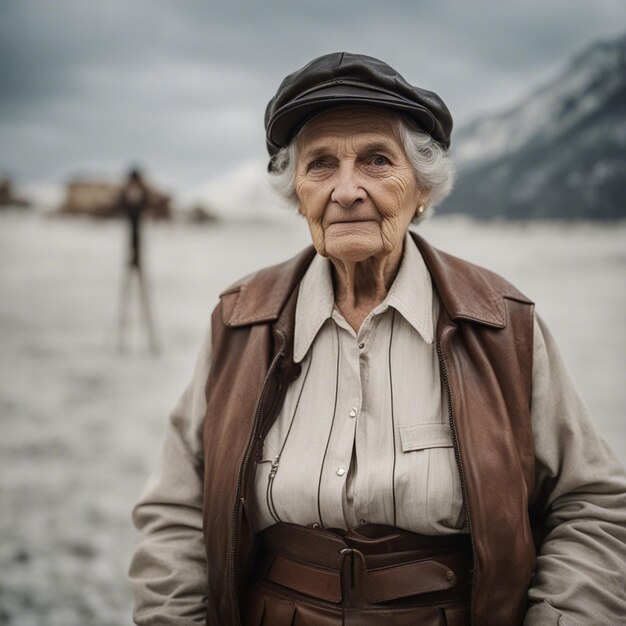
x=364, y=577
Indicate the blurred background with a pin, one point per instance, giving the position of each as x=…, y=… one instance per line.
x=94, y=350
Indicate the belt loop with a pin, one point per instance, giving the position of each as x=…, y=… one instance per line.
x=344, y=552
x=354, y=552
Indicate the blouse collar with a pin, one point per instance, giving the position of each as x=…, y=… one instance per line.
x=411, y=294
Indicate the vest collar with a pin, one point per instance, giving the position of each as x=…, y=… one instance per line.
x=466, y=291
x=260, y=297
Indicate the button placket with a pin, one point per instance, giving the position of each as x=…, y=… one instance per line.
x=341, y=442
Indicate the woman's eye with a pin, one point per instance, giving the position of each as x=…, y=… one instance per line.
x=379, y=160
x=318, y=164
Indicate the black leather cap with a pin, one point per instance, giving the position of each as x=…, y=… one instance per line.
x=343, y=78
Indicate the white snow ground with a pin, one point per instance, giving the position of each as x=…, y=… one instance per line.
x=81, y=425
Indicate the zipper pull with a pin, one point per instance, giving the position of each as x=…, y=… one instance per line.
x=274, y=468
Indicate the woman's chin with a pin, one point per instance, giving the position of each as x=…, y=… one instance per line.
x=353, y=242
x=352, y=250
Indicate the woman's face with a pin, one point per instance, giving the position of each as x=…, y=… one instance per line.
x=355, y=185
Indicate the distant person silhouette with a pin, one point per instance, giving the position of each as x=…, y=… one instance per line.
x=133, y=202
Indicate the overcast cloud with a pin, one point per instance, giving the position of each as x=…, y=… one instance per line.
x=181, y=85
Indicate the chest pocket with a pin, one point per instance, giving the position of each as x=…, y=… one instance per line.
x=429, y=478
x=425, y=436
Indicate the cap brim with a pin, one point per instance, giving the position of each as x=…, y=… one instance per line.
x=291, y=118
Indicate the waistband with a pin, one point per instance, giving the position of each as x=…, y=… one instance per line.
x=369, y=565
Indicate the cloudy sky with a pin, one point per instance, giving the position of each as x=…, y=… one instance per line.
x=180, y=86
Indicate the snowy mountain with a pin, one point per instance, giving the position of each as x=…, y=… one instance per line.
x=561, y=153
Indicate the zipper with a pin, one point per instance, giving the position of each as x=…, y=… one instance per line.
x=243, y=470
x=269, y=492
x=270, y=483
x=457, y=454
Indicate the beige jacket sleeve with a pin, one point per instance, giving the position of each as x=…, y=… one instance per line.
x=580, y=576
x=168, y=569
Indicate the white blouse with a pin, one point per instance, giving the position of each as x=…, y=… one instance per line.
x=363, y=435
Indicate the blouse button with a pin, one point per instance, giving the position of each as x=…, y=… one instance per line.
x=341, y=471
x=352, y=412
x=361, y=346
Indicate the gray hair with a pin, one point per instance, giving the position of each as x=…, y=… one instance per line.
x=431, y=163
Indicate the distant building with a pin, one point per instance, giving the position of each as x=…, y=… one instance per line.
x=100, y=199
x=8, y=198
x=201, y=214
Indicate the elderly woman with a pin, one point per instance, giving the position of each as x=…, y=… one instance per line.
x=377, y=432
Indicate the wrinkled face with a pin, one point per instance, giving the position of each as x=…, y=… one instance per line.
x=355, y=185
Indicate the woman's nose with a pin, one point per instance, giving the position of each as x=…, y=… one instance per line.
x=347, y=188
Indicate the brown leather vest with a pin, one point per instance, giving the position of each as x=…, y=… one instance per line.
x=484, y=341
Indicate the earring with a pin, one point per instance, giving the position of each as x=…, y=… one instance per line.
x=420, y=209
